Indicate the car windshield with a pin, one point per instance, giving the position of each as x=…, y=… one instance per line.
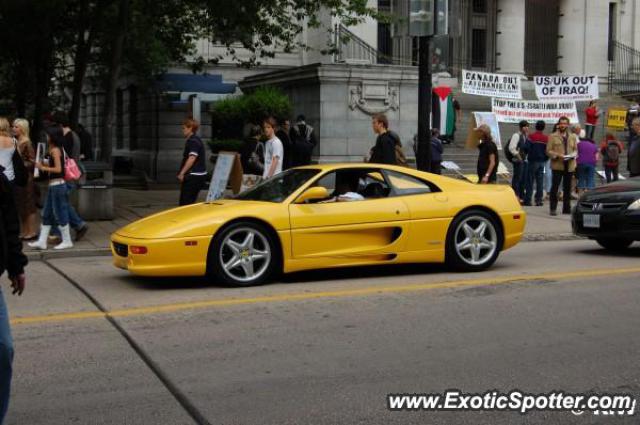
x=279, y=187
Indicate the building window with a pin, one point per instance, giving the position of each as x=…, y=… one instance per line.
x=479, y=48
x=133, y=118
x=479, y=6
x=119, y=120
x=384, y=43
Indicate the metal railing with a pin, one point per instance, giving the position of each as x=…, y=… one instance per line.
x=351, y=48
x=624, y=69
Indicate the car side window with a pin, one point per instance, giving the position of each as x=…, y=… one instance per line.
x=354, y=184
x=404, y=184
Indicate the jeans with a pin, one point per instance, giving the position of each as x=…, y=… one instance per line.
x=586, y=176
x=563, y=177
x=590, y=131
x=611, y=173
x=547, y=176
x=535, y=178
x=6, y=358
x=517, y=182
x=56, y=206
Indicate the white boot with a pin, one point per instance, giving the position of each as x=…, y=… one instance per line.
x=65, y=231
x=41, y=243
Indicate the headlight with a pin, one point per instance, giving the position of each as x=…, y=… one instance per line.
x=635, y=205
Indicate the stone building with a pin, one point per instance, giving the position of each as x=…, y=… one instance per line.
x=374, y=70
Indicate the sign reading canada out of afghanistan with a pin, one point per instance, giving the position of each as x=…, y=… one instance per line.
x=567, y=88
x=492, y=85
x=549, y=111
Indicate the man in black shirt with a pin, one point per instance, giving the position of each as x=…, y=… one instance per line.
x=384, y=151
x=193, y=171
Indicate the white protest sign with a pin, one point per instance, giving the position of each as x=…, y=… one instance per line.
x=567, y=87
x=549, y=111
x=220, y=177
x=491, y=85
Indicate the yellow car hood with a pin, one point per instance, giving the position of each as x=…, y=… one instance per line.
x=191, y=220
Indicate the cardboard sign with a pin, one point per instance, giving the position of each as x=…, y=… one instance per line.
x=228, y=170
x=617, y=118
x=477, y=119
x=567, y=88
x=549, y=111
x=491, y=85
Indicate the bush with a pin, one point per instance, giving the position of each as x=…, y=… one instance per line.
x=230, y=115
x=231, y=145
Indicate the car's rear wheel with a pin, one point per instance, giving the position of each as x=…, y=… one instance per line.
x=614, y=244
x=242, y=254
x=474, y=241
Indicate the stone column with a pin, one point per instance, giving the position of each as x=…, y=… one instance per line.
x=510, y=40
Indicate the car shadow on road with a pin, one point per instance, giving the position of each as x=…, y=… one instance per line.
x=597, y=251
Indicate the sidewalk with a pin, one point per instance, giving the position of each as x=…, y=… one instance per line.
x=131, y=205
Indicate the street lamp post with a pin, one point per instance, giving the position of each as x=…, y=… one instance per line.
x=423, y=160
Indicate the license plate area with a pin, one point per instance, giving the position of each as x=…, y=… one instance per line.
x=591, y=221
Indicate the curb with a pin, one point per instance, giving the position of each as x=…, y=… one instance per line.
x=549, y=237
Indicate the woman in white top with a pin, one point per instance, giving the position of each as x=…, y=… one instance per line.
x=7, y=148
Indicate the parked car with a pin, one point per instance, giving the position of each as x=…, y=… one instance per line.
x=324, y=216
x=610, y=214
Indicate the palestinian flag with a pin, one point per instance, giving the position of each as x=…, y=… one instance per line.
x=443, y=115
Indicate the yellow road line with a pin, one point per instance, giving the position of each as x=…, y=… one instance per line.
x=167, y=308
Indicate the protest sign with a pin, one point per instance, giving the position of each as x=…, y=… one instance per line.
x=477, y=119
x=567, y=88
x=491, y=85
x=549, y=111
x=617, y=118
x=228, y=168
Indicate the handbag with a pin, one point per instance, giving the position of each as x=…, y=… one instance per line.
x=256, y=161
x=71, y=169
x=19, y=170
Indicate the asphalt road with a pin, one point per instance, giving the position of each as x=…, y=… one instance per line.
x=97, y=346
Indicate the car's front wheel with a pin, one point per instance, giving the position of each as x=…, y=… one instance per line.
x=614, y=244
x=242, y=254
x=474, y=241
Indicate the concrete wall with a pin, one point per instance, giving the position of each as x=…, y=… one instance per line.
x=510, y=40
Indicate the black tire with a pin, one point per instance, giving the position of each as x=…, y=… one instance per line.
x=221, y=253
x=456, y=235
x=615, y=244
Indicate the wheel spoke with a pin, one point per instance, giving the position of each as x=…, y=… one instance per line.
x=234, y=246
x=232, y=263
x=475, y=253
x=247, y=266
x=248, y=240
x=259, y=255
x=487, y=244
x=481, y=229
x=468, y=231
x=464, y=245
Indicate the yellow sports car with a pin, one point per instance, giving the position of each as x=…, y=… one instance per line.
x=323, y=216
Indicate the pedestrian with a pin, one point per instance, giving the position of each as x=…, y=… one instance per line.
x=252, y=153
x=26, y=196
x=487, y=167
x=516, y=152
x=632, y=113
x=586, y=164
x=633, y=158
x=71, y=148
x=273, y=150
x=56, y=205
x=384, y=151
x=611, y=149
x=86, y=144
x=537, y=157
x=437, y=149
x=303, y=141
x=193, y=170
x=562, y=149
x=7, y=148
x=592, y=113
x=13, y=261
x=283, y=133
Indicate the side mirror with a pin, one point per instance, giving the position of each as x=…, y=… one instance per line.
x=315, y=193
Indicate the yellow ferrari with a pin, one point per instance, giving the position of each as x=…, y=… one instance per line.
x=324, y=216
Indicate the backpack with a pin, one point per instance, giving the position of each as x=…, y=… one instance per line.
x=507, y=152
x=401, y=159
x=612, y=153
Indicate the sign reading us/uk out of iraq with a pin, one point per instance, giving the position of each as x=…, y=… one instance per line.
x=567, y=87
x=491, y=85
x=549, y=111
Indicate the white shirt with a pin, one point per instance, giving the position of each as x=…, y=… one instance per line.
x=272, y=148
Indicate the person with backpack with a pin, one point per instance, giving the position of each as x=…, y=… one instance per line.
x=516, y=153
x=303, y=141
x=611, y=149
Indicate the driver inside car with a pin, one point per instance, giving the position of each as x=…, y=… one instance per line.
x=346, y=188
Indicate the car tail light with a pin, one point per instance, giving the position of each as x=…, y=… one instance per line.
x=139, y=250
